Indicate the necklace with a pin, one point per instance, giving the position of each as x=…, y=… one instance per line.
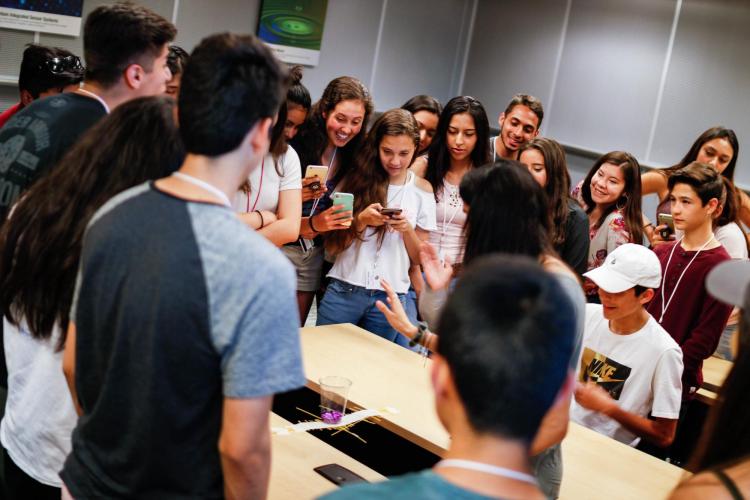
x=665, y=305
x=494, y=470
x=206, y=186
x=399, y=192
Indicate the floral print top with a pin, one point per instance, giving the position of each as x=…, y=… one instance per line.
x=612, y=233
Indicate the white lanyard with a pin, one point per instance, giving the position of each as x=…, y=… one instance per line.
x=401, y=191
x=91, y=94
x=328, y=174
x=665, y=305
x=494, y=470
x=205, y=185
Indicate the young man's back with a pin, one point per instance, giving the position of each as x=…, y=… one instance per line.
x=183, y=300
x=37, y=137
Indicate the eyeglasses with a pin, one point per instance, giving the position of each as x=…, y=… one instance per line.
x=67, y=64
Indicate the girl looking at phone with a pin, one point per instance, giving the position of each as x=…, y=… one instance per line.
x=394, y=210
x=611, y=196
x=270, y=201
x=330, y=136
x=461, y=143
x=545, y=160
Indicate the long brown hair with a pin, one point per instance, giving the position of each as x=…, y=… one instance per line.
x=311, y=139
x=40, y=245
x=368, y=180
x=558, y=184
x=630, y=199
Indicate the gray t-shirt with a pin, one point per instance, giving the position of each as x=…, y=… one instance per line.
x=178, y=305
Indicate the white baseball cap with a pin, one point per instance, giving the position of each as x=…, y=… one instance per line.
x=627, y=266
x=728, y=282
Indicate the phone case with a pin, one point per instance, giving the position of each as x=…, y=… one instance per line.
x=320, y=170
x=339, y=475
x=346, y=199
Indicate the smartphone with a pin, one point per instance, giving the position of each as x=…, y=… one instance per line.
x=346, y=199
x=666, y=219
x=319, y=171
x=339, y=475
x=390, y=212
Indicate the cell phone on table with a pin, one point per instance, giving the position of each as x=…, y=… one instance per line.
x=667, y=219
x=339, y=475
x=319, y=171
x=390, y=212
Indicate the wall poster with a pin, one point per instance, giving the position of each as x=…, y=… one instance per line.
x=293, y=29
x=62, y=17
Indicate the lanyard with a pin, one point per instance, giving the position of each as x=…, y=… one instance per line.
x=94, y=96
x=664, y=305
x=328, y=174
x=206, y=186
x=494, y=470
x=401, y=191
x=260, y=187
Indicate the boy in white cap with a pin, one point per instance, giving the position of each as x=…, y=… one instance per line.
x=630, y=366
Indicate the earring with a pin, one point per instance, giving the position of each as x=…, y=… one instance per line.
x=618, y=207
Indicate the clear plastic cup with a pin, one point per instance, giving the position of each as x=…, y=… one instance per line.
x=334, y=394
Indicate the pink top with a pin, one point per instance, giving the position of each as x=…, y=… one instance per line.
x=449, y=239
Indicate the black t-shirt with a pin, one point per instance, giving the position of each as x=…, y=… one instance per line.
x=575, y=249
x=35, y=139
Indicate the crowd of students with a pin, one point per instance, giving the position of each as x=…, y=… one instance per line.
x=170, y=218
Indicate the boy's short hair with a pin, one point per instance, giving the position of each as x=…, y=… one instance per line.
x=507, y=334
x=230, y=82
x=531, y=102
x=116, y=36
x=44, y=68
x=704, y=179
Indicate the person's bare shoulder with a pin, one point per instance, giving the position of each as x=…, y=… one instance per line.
x=423, y=184
x=419, y=166
x=703, y=485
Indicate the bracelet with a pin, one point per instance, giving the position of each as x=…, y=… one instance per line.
x=310, y=221
x=417, y=339
x=262, y=222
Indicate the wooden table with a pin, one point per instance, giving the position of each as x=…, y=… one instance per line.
x=293, y=458
x=385, y=374
x=715, y=371
x=597, y=467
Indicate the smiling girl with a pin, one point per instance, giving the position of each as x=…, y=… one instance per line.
x=330, y=136
x=379, y=245
x=611, y=196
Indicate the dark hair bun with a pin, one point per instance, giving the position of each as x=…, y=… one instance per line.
x=295, y=75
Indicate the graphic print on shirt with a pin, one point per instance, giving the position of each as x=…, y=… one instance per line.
x=605, y=372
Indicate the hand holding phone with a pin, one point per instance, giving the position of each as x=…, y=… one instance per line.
x=346, y=203
x=667, y=222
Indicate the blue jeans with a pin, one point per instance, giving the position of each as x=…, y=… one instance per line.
x=346, y=303
x=410, y=305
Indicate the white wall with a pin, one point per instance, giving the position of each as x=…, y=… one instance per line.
x=385, y=43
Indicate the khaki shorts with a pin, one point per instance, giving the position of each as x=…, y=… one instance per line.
x=309, y=266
